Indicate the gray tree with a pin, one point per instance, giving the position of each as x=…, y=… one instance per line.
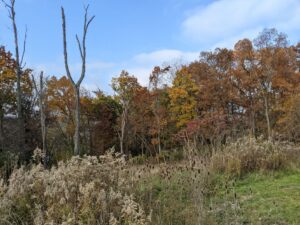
x=10, y=5
x=76, y=85
x=41, y=94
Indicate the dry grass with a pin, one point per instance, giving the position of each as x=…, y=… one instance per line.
x=86, y=190
x=109, y=190
x=248, y=155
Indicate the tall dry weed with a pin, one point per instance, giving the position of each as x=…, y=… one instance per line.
x=87, y=190
x=248, y=154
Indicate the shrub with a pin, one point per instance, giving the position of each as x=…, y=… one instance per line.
x=247, y=155
x=86, y=190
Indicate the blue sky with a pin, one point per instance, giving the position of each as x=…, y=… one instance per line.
x=136, y=35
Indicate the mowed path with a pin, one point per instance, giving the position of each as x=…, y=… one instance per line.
x=270, y=199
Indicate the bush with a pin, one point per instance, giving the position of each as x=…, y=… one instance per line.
x=86, y=190
x=248, y=155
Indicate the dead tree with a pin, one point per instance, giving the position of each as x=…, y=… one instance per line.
x=10, y=5
x=76, y=85
x=41, y=91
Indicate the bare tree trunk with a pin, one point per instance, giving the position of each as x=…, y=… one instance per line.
x=157, y=105
x=21, y=141
x=19, y=90
x=267, y=118
x=77, y=122
x=42, y=105
x=76, y=86
x=19, y=61
x=158, y=135
x=43, y=126
x=1, y=132
x=252, y=120
x=90, y=137
x=123, y=126
x=253, y=124
x=121, y=143
x=43, y=116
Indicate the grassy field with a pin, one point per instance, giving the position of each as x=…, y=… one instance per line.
x=257, y=198
x=270, y=199
x=250, y=182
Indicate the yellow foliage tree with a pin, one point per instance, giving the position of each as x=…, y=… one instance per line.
x=183, y=94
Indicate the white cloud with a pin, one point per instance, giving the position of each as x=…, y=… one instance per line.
x=99, y=73
x=142, y=64
x=224, y=21
x=142, y=73
x=165, y=55
x=231, y=41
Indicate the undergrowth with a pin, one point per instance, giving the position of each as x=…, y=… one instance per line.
x=245, y=182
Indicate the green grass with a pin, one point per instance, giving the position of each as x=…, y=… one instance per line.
x=266, y=198
x=261, y=199
x=169, y=200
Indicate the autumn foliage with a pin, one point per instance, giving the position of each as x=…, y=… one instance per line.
x=251, y=89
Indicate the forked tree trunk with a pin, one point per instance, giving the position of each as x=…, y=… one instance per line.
x=76, y=86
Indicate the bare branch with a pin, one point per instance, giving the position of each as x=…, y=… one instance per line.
x=42, y=82
x=9, y=7
x=79, y=46
x=24, y=48
x=86, y=8
x=34, y=83
x=87, y=22
x=65, y=46
x=37, y=88
x=6, y=4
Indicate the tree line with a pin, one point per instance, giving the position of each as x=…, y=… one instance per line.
x=252, y=89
